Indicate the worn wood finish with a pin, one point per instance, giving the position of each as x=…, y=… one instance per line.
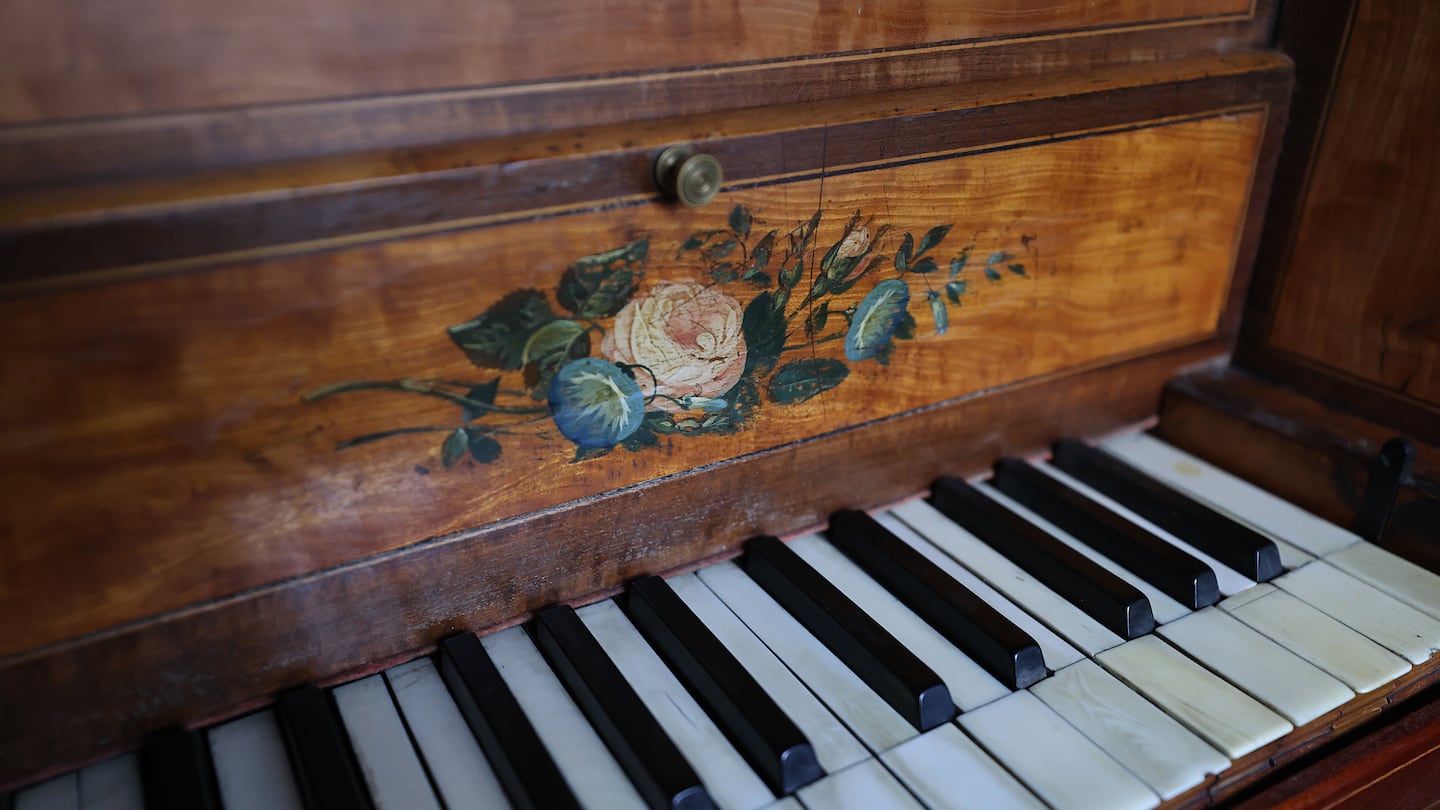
x=49, y=154
x=156, y=225
x=90, y=58
x=215, y=657
x=1302, y=450
x=159, y=453
x=1396, y=765
x=1346, y=305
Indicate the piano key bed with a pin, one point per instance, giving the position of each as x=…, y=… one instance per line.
x=1120, y=626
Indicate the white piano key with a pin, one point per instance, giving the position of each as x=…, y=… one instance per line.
x=726, y=775
x=1277, y=677
x=787, y=803
x=1395, y=575
x=1070, y=622
x=59, y=793
x=970, y=685
x=1384, y=619
x=112, y=785
x=1231, y=495
x=1228, y=579
x=945, y=770
x=252, y=767
x=462, y=774
x=1357, y=661
x=1057, y=652
x=865, y=786
x=1153, y=745
x=387, y=759
x=868, y=716
x=1164, y=608
x=1226, y=717
x=591, y=771
x=835, y=747
x=1052, y=758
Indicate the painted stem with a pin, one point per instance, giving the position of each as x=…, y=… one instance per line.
x=411, y=386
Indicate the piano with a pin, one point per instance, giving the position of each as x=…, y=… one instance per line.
x=667, y=405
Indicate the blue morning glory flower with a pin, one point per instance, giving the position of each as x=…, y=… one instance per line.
x=594, y=403
x=876, y=320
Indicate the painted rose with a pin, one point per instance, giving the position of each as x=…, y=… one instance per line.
x=688, y=335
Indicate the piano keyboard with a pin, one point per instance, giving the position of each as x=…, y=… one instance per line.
x=1103, y=630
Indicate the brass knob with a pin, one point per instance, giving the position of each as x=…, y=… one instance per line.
x=690, y=178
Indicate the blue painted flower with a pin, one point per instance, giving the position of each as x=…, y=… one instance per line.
x=594, y=403
x=876, y=320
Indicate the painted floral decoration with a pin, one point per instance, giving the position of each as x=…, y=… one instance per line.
x=687, y=357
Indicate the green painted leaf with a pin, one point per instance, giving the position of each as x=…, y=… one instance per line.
x=763, y=325
x=548, y=349
x=932, y=238
x=939, y=313
x=760, y=256
x=483, y=393
x=587, y=453
x=800, y=380
x=902, y=254
x=453, y=449
x=721, y=249
x=958, y=263
x=496, y=339
x=1017, y=269
x=820, y=317
x=790, y=276
x=482, y=446
x=598, y=286
x=693, y=243
x=992, y=274
x=876, y=320
x=925, y=265
x=740, y=219
x=998, y=257
x=954, y=290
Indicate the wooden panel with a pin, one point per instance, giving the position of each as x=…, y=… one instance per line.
x=91, y=58
x=40, y=155
x=163, y=224
x=216, y=658
x=1359, y=300
x=161, y=453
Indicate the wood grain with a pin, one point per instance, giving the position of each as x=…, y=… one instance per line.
x=1303, y=450
x=157, y=453
x=47, y=154
x=1359, y=296
x=216, y=658
x=96, y=58
x=164, y=224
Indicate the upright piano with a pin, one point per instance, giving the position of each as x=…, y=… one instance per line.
x=552, y=404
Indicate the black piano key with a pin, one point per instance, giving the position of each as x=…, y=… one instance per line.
x=757, y=727
x=325, y=767
x=883, y=663
x=657, y=768
x=1004, y=650
x=1228, y=541
x=1185, y=578
x=524, y=767
x=1109, y=600
x=176, y=772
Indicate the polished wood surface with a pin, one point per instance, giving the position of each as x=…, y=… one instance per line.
x=161, y=437
x=73, y=234
x=96, y=58
x=1362, y=294
x=1349, y=298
